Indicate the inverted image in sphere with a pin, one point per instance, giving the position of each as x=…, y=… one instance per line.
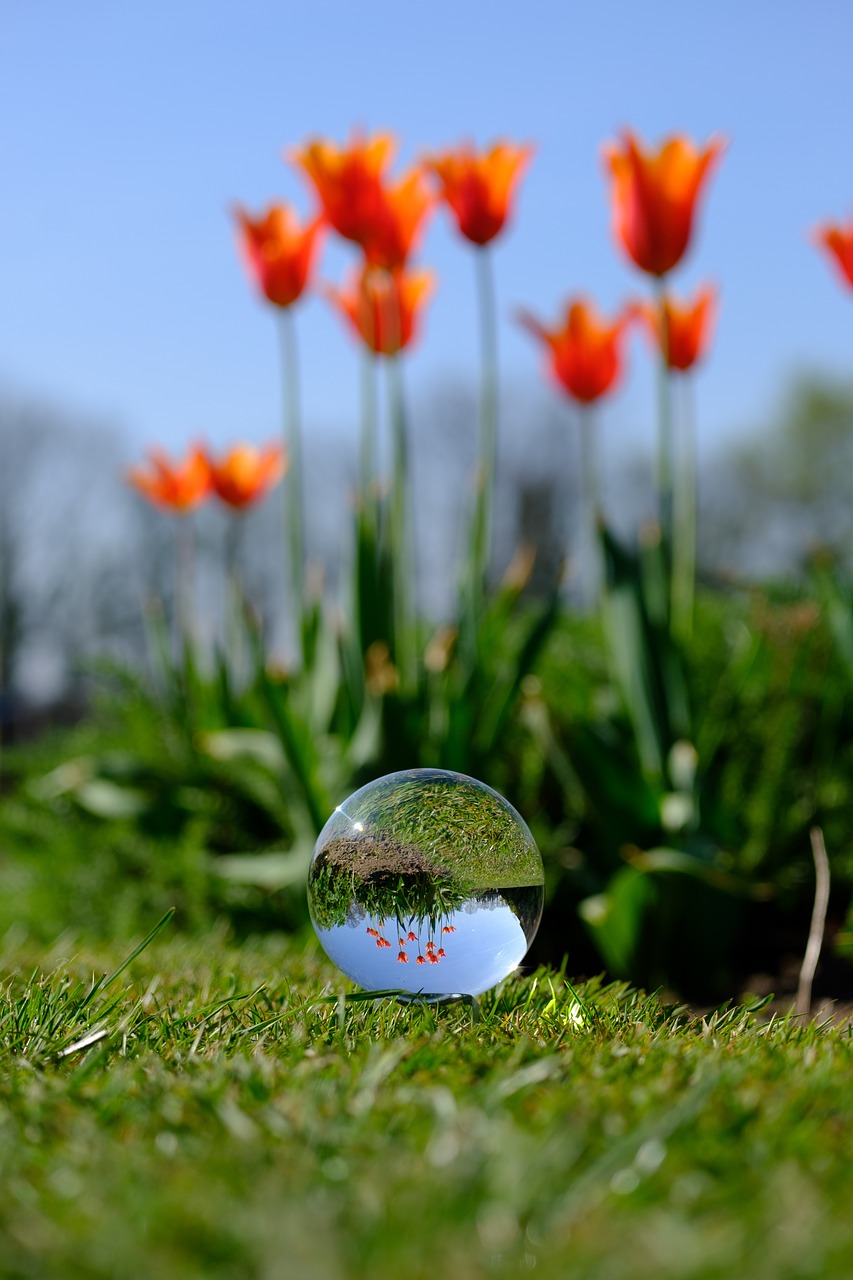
x=426, y=881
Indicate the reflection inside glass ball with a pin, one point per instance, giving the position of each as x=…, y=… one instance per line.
x=426, y=881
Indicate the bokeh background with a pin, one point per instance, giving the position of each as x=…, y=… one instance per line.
x=129, y=132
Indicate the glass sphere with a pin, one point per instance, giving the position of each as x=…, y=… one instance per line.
x=426, y=881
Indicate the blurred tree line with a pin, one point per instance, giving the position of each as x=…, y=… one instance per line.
x=82, y=557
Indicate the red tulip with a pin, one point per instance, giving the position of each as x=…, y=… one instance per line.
x=398, y=221
x=655, y=196
x=278, y=252
x=688, y=327
x=479, y=188
x=385, y=219
x=383, y=306
x=245, y=474
x=175, y=486
x=584, y=352
x=837, y=239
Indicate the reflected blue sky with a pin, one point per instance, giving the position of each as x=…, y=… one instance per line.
x=484, y=944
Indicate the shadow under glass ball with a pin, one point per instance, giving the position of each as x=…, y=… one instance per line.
x=426, y=881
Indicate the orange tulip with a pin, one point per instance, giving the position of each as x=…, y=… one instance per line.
x=479, y=188
x=584, y=352
x=838, y=240
x=655, y=195
x=278, y=252
x=245, y=474
x=688, y=327
x=382, y=306
x=385, y=219
x=398, y=221
x=174, y=486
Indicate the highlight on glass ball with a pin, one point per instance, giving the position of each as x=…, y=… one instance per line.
x=427, y=882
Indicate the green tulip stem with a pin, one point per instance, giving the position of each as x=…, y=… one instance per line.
x=684, y=515
x=405, y=640
x=292, y=490
x=665, y=433
x=488, y=422
x=184, y=571
x=591, y=502
x=367, y=441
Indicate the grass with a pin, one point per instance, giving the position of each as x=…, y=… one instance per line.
x=227, y=1121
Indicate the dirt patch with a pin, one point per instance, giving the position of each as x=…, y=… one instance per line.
x=378, y=857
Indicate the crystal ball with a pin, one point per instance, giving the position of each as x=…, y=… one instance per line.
x=428, y=882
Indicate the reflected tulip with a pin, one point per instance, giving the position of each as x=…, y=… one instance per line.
x=246, y=474
x=479, y=188
x=383, y=306
x=421, y=960
x=837, y=239
x=688, y=327
x=402, y=958
x=655, y=195
x=585, y=351
x=177, y=486
x=385, y=219
x=278, y=252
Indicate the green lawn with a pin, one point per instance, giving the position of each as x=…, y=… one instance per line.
x=232, y=1124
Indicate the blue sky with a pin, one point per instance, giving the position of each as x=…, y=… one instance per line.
x=128, y=130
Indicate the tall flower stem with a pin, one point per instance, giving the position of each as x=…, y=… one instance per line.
x=293, y=488
x=184, y=569
x=370, y=617
x=481, y=545
x=405, y=640
x=367, y=443
x=232, y=595
x=665, y=432
x=684, y=519
x=591, y=504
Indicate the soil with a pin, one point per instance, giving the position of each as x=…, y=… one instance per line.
x=376, y=857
